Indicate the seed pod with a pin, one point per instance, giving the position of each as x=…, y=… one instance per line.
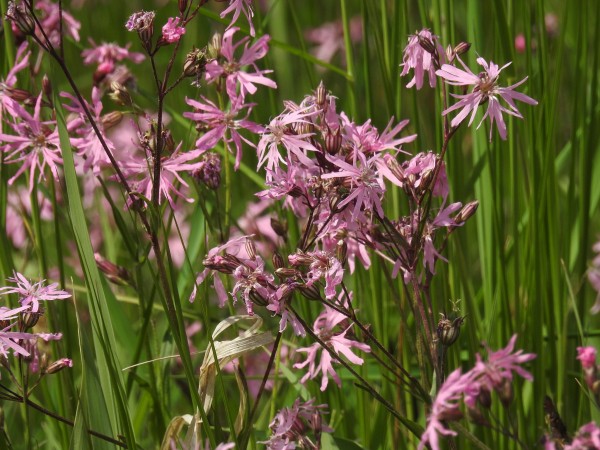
x=449, y=330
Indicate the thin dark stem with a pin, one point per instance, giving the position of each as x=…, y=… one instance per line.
x=20, y=399
x=266, y=376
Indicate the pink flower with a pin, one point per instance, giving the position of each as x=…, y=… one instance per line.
x=240, y=7
x=278, y=132
x=329, y=38
x=586, y=438
x=171, y=32
x=222, y=125
x=520, y=43
x=289, y=426
x=446, y=406
x=35, y=145
x=51, y=16
x=587, y=356
x=594, y=277
x=172, y=168
x=230, y=68
x=324, y=328
x=106, y=54
x=88, y=144
x=21, y=61
x=31, y=294
x=364, y=182
x=485, y=89
x=419, y=59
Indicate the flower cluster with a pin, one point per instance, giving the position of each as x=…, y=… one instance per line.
x=425, y=55
x=290, y=427
x=494, y=374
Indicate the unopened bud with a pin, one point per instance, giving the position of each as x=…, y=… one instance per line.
x=120, y=94
x=462, y=48
x=250, y=249
x=47, y=87
x=450, y=55
x=466, y=212
x=115, y=274
x=286, y=272
x=111, y=119
x=278, y=261
x=21, y=17
x=195, y=63
x=505, y=393
x=341, y=252
x=279, y=227
x=485, y=398
x=214, y=46
x=427, y=44
x=19, y=95
x=59, y=365
x=295, y=192
x=182, y=5
x=310, y=292
x=449, y=330
x=333, y=141
x=29, y=319
x=321, y=95
x=303, y=127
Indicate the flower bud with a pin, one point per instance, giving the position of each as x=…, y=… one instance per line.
x=21, y=17
x=286, y=272
x=19, y=95
x=115, y=274
x=47, y=86
x=427, y=44
x=250, y=249
x=450, y=55
x=182, y=5
x=279, y=227
x=333, y=141
x=29, y=319
x=321, y=95
x=59, y=365
x=466, y=212
x=449, y=330
x=462, y=48
x=310, y=292
x=485, y=398
x=119, y=94
x=214, y=46
x=505, y=393
x=278, y=261
x=111, y=119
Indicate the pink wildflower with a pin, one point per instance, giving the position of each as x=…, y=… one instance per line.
x=594, y=277
x=240, y=7
x=587, y=356
x=171, y=32
x=222, y=125
x=35, y=145
x=88, y=144
x=329, y=38
x=485, y=89
x=290, y=426
x=587, y=438
x=419, y=59
x=107, y=54
x=31, y=294
x=325, y=328
x=278, y=132
x=51, y=16
x=446, y=406
x=230, y=67
x=364, y=182
x=21, y=62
